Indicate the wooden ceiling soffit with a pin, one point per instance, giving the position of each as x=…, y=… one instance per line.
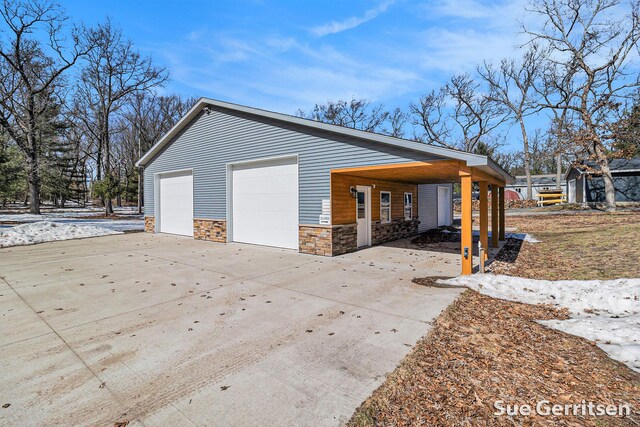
x=414, y=172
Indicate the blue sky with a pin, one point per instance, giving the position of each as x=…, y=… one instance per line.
x=288, y=55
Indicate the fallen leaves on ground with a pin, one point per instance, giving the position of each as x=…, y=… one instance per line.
x=432, y=282
x=482, y=350
x=437, y=235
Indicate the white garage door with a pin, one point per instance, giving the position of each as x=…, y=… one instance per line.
x=265, y=203
x=176, y=203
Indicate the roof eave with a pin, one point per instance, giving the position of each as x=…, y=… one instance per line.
x=470, y=158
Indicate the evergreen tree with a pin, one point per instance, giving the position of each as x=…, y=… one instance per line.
x=13, y=176
x=58, y=156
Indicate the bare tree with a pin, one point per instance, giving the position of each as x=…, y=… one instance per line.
x=590, y=44
x=151, y=116
x=542, y=149
x=457, y=116
x=562, y=131
x=358, y=114
x=512, y=86
x=397, y=120
x=148, y=118
x=112, y=75
x=31, y=74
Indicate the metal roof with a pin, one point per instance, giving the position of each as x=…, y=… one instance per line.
x=536, y=180
x=484, y=163
x=616, y=166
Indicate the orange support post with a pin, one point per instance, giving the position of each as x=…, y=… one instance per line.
x=484, y=220
x=467, y=221
x=494, y=216
x=501, y=225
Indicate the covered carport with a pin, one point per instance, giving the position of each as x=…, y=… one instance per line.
x=488, y=178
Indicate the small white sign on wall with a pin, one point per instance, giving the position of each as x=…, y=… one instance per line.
x=325, y=217
x=326, y=207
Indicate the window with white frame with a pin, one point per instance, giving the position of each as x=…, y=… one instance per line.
x=385, y=207
x=408, y=206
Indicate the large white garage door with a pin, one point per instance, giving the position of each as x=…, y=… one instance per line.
x=265, y=203
x=176, y=203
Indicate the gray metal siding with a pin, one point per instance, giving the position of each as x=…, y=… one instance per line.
x=428, y=205
x=580, y=189
x=626, y=184
x=212, y=140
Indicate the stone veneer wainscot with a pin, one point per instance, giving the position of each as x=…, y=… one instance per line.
x=327, y=240
x=213, y=230
x=394, y=230
x=150, y=224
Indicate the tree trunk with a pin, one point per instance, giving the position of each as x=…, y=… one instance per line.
x=119, y=190
x=32, y=159
x=598, y=149
x=84, y=184
x=99, y=162
x=34, y=183
x=609, y=188
x=558, y=170
x=527, y=158
x=108, y=204
x=560, y=138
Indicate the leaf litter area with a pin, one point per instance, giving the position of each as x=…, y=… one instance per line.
x=483, y=350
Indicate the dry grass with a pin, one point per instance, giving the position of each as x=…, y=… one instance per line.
x=482, y=349
x=581, y=246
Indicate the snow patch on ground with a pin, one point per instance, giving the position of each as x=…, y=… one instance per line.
x=604, y=311
x=522, y=236
x=128, y=220
x=47, y=231
x=518, y=236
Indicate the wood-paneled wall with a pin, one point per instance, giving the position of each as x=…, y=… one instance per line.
x=343, y=206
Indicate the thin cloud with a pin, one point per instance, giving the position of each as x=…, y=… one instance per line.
x=468, y=9
x=491, y=14
x=455, y=51
x=334, y=27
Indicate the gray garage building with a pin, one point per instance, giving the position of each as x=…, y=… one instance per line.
x=585, y=186
x=227, y=172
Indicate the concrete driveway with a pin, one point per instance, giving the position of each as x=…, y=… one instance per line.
x=164, y=330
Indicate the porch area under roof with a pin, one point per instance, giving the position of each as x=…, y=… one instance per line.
x=490, y=182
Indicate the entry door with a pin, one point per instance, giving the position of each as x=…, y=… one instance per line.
x=363, y=215
x=572, y=191
x=444, y=206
